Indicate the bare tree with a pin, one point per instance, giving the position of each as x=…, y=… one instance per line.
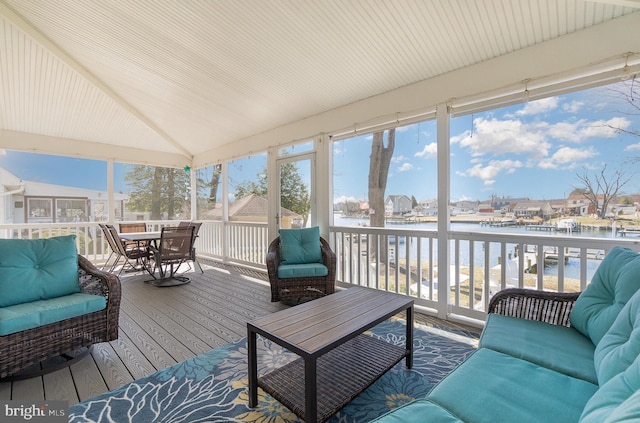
x=602, y=186
x=380, y=160
x=629, y=91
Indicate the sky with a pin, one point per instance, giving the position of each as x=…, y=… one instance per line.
x=534, y=149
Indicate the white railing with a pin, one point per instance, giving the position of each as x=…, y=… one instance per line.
x=405, y=261
x=89, y=239
x=243, y=243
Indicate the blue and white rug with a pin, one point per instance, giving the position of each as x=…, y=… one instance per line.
x=212, y=387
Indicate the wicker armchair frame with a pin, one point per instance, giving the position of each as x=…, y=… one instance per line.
x=298, y=288
x=530, y=304
x=23, y=349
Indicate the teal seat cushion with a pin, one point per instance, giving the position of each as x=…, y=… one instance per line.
x=298, y=246
x=614, y=283
x=19, y=317
x=494, y=387
x=286, y=271
x=618, y=400
x=620, y=346
x=418, y=411
x=551, y=346
x=37, y=269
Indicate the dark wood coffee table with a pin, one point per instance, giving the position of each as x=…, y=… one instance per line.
x=337, y=361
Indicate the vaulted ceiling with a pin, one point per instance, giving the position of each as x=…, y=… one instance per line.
x=182, y=81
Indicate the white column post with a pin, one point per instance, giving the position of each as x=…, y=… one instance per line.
x=443, y=136
x=111, y=202
x=194, y=194
x=323, y=185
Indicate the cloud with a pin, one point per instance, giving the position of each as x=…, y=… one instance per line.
x=510, y=136
x=567, y=157
x=538, y=106
x=584, y=130
x=632, y=147
x=405, y=167
x=398, y=159
x=606, y=129
x=344, y=199
x=533, y=140
x=572, y=107
x=429, y=151
x=489, y=173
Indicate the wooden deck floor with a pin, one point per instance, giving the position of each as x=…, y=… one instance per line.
x=160, y=327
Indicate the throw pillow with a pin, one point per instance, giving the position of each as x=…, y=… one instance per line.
x=298, y=246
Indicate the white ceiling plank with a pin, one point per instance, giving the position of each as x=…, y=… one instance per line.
x=84, y=72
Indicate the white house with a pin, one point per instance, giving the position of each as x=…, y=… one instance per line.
x=35, y=202
x=397, y=205
x=428, y=207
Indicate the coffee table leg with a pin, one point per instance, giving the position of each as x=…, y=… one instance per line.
x=311, y=390
x=253, y=368
x=409, y=344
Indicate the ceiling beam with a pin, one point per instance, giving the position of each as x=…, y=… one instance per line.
x=45, y=144
x=634, y=4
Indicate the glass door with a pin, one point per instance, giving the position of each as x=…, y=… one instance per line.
x=296, y=197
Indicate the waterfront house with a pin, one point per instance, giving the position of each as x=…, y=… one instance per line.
x=397, y=205
x=428, y=207
x=531, y=209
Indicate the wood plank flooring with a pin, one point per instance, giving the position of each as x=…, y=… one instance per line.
x=160, y=327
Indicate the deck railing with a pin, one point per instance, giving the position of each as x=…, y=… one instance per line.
x=233, y=242
x=404, y=261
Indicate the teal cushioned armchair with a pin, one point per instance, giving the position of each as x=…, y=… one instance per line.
x=300, y=264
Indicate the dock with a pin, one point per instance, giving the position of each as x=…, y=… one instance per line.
x=629, y=231
x=546, y=228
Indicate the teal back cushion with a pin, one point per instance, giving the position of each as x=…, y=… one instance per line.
x=298, y=246
x=620, y=346
x=616, y=401
x=37, y=269
x=614, y=283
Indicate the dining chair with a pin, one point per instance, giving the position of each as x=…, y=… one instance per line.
x=128, y=253
x=128, y=227
x=196, y=226
x=174, y=249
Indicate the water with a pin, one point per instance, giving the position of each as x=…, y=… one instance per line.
x=571, y=268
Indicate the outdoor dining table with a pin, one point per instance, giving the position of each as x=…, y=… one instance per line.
x=140, y=238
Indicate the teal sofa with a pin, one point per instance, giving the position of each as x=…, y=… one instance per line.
x=547, y=357
x=52, y=302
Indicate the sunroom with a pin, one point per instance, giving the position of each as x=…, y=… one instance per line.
x=483, y=109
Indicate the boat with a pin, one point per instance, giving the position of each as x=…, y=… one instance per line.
x=566, y=225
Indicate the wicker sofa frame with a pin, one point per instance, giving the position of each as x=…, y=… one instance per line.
x=295, y=289
x=549, y=307
x=23, y=349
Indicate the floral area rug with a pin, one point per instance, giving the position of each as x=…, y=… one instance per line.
x=212, y=387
